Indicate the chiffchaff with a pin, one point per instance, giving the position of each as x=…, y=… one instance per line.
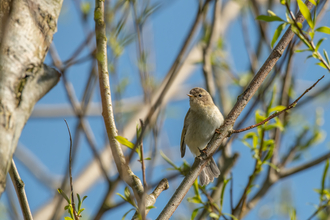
x=202, y=119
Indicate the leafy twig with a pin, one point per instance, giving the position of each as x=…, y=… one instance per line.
x=70, y=173
x=292, y=105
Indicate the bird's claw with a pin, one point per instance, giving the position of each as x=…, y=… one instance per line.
x=203, y=152
x=217, y=131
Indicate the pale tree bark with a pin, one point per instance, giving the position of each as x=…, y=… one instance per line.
x=27, y=30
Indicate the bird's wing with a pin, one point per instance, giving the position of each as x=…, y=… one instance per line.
x=183, y=134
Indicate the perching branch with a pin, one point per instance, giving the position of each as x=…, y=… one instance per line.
x=225, y=129
x=292, y=105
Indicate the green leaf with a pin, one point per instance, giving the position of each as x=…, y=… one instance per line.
x=299, y=51
x=253, y=136
x=306, y=13
x=151, y=207
x=311, y=33
x=195, y=199
x=326, y=56
x=148, y=158
x=313, y=2
x=80, y=211
x=293, y=215
x=267, y=144
x=269, y=18
x=322, y=65
x=123, y=197
x=271, y=13
x=277, y=108
x=127, y=192
x=323, y=29
x=125, y=142
x=277, y=33
x=60, y=191
x=283, y=2
x=196, y=190
x=296, y=31
x=230, y=215
x=278, y=124
x=223, y=192
x=213, y=215
x=323, y=178
x=85, y=7
x=319, y=44
x=288, y=18
x=194, y=213
x=259, y=117
x=271, y=101
x=79, y=201
x=127, y=213
x=272, y=165
x=168, y=160
x=68, y=218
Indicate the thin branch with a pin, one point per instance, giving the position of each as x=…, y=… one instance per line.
x=289, y=156
x=292, y=105
x=19, y=188
x=70, y=174
x=290, y=171
x=317, y=211
x=231, y=192
x=207, y=62
x=142, y=161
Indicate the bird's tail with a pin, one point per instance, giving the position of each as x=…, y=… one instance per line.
x=210, y=171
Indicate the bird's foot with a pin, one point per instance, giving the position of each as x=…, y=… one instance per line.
x=203, y=152
x=217, y=131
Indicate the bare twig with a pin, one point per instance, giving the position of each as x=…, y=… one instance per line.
x=70, y=173
x=317, y=211
x=19, y=188
x=290, y=171
x=207, y=62
x=292, y=105
x=289, y=156
x=231, y=192
x=142, y=161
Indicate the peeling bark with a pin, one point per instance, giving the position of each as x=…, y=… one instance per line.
x=26, y=32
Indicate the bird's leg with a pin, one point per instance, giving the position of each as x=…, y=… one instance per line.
x=203, y=152
x=217, y=131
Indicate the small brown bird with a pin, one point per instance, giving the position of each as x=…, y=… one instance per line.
x=202, y=119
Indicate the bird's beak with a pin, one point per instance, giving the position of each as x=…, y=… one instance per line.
x=190, y=95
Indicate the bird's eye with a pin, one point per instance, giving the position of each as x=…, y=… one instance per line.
x=200, y=95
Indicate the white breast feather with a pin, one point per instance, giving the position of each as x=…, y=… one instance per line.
x=201, y=129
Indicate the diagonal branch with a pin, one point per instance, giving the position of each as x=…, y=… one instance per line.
x=290, y=171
